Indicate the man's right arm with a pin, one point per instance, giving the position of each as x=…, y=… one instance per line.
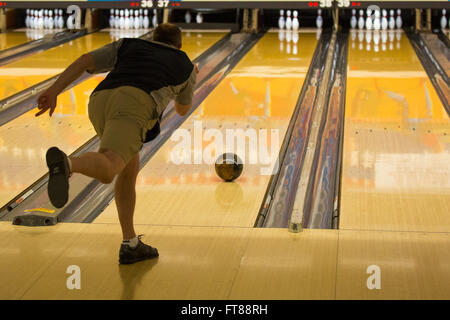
x=97, y=61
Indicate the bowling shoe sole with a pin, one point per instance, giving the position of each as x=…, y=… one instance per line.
x=58, y=183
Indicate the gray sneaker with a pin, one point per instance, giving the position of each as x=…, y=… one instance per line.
x=142, y=251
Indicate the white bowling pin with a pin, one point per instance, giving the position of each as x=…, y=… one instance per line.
x=399, y=21
x=131, y=19
x=155, y=18
x=136, y=20
x=353, y=20
x=319, y=20
x=60, y=19
x=384, y=20
x=444, y=19
x=126, y=24
x=41, y=20
x=141, y=18
x=288, y=20
x=377, y=21
x=45, y=18
x=391, y=20
x=281, y=21
x=361, y=20
x=369, y=19
x=199, y=18
x=50, y=20
x=55, y=18
x=295, y=22
x=111, y=18
x=146, y=20
x=27, y=19
x=188, y=17
x=122, y=19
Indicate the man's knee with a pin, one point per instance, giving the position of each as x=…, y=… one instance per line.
x=131, y=170
x=116, y=165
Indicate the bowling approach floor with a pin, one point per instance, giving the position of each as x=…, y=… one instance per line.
x=203, y=228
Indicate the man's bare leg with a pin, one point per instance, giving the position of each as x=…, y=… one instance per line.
x=125, y=195
x=103, y=165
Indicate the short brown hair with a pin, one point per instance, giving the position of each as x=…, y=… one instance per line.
x=168, y=33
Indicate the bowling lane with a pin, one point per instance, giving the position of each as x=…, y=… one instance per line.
x=33, y=69
x=12, y=39
x=24, y=141
x=179, y=186
x=396, y=173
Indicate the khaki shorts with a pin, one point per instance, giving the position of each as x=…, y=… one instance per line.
x=121, y=117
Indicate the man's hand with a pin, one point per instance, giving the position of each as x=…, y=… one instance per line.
x=46, y=101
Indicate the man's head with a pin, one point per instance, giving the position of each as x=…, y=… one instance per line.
x=168, y=33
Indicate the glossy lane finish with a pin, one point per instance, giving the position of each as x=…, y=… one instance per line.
x=30, y=70
x=396, y=173
x=25, y=140
x=12, y=39
x=179, y=186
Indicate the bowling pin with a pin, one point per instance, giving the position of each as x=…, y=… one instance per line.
x=391, y=20
x=50, y=22
x=55, y=18
x=111, y=18
x=399, y=21
x=361, y=20
x=27, y=19
x=444, y=19
x=353, y=21
x=376, y=21
x=155, y=18
x=295, y=22
x=45, y=19
x=141, y=18
x=288, y=20
x=60, y=19
x=126, y=24
x=199, y=18
x=188, y=17
x=319, y=20
x=131, y=19
x=281, y=20
x=384, y=20
x=122, y=19
x=136, y=20
x=146, y=20
x=369, y=19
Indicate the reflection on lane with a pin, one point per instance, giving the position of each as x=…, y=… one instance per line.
x=396, y=144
